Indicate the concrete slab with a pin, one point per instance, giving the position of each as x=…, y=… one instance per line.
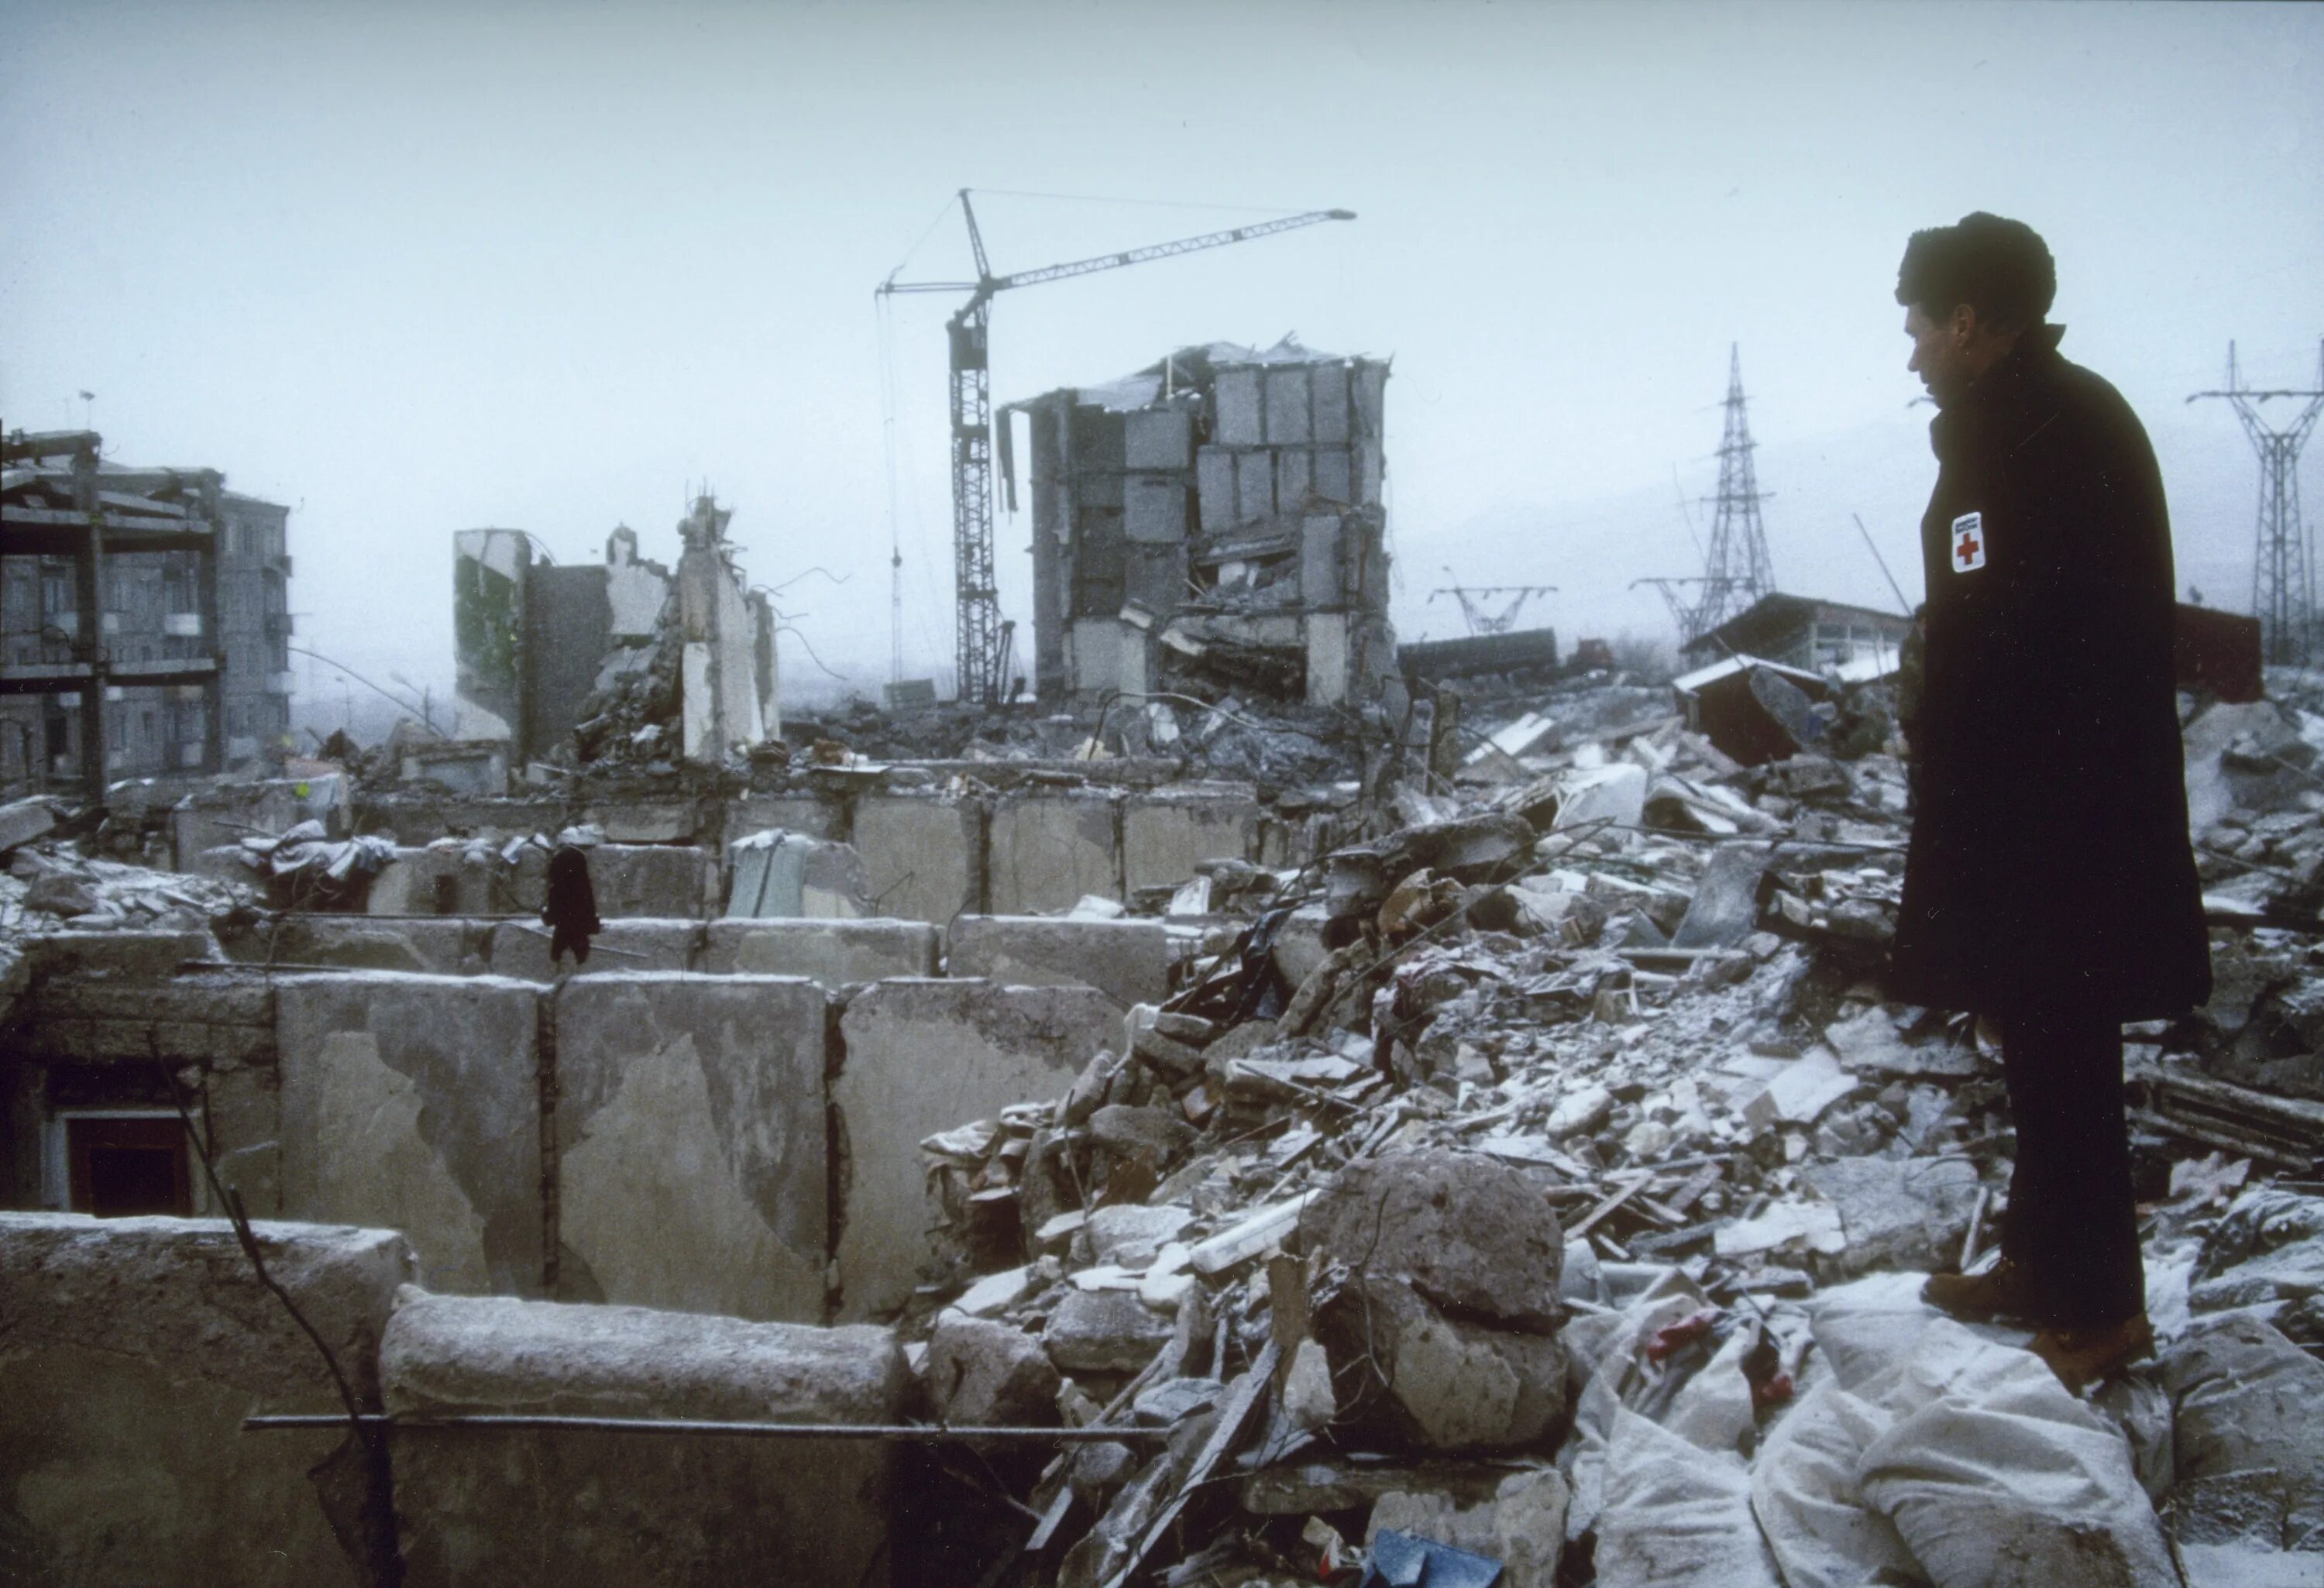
x=412, y=1103
x=792, y=813
x=690, y=1143
x=1045, y=850
x=1166, y=834
x=130, y=1352
x=833, y=953
x=924, y=1056
x=545, y=1509
x=924, y=854
x=448, y=946
x=1129, y=961
x=520, y=948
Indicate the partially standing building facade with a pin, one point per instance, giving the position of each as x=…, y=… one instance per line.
x=1216, y=519
x=144, y=619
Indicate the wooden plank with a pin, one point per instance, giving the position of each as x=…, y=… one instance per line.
x=1596, y=1215
x=1245, y=1395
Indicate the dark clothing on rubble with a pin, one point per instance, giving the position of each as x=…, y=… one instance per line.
x=570, y=912
x=2051, y=882
x=2050, y=864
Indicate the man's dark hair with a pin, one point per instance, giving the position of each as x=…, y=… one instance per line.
x=2000, y=268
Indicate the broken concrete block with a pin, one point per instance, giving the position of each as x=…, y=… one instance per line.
x=1132, y=1235
x=1127, y=960
x=130, y=1352
x=1043, y=850
x=777, y=874
x=919, y=1057
x=1173, y=1401
x=547, y=1508
x=1801, y=1091
x=1817, y=1224
x=1444, y=1330
x=1104, y=1332
x=1726, y=903
x=1154, y=1136
x=1868, y=1043
x=836, y=953
x=691, y=1165
x=990, y=1375
x=413, y=1102
x=1910, y=1214
x=23, y=820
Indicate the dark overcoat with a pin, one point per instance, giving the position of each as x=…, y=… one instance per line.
x=2049, y=858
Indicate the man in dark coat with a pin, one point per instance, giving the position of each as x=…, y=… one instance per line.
x=2051, y=884
x=570, y=910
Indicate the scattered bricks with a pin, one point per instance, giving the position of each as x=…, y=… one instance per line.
x=835, y=953
x=519, y=948
x=412, y=1103
x=1127, y=960
x=1167, y=835
x=1044, y=850
x=554, y=1509
x=691, y=1159
x=920, y=1057
x=924, y=854
x=130, y=1352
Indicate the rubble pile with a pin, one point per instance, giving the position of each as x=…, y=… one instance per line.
x=49, y=885
x=1540, y=1192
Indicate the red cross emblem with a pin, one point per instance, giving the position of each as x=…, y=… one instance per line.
x=1969, y=542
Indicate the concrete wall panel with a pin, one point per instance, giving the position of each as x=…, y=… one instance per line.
x=690, y=1143
x=1164, y=835
x=924, y=854
x=924, y=1056
x=412, y=1103
x=1129, y=961
x=130, y=1352
x=1045, y=850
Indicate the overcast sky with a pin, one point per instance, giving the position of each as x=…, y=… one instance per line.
x=415, y=269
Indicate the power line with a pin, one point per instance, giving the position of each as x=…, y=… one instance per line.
x=2283, y=561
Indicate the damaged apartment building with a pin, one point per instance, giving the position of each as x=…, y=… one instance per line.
x=146, y=614
x=623, y=659
x=1211, y=523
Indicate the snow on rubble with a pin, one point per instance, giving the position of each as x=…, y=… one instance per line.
x=1540, y=1191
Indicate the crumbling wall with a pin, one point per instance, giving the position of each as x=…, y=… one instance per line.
x=489, y=574
x=1217, y=518
x=130, y=1352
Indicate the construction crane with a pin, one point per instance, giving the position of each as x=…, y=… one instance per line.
x=981, y=637
x=1472, y=596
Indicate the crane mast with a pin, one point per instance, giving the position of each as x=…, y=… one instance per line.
x=981, y=636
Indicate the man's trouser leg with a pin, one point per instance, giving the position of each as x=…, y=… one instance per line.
x=2071, y=1222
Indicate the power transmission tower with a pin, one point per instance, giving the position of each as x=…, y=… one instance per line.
x=1471, y=598
x=2284, y=568
x=1736, y=569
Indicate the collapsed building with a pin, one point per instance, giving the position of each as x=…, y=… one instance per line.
x=144, y=619
x=558, y=663
x=1213, y=522
x=1516, y=1172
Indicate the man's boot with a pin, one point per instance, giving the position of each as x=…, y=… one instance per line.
x=2084, y=1356
x=2005, y=1290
